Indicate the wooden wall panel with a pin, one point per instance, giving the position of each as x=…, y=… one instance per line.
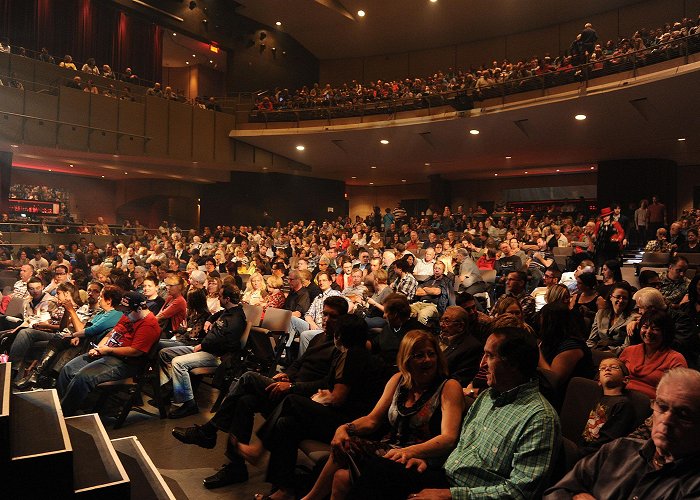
x=427, y=62
x=157, y=119
x=104, y=115
x=203, y=132
x=132, y=117
x=13, y=102
x=73, y=109
x=386, y=67
x=523, y=46
x=649, y=14
x=37, y=132
x=180, y=131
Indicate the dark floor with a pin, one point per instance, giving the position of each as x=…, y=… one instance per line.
x=184, y=466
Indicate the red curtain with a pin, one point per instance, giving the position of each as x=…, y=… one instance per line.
x=83, y=29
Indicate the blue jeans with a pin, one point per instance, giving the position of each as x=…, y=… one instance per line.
x=305, y=339
x=296, y=326
x=80, y=376
x=24, y=339
x=176, y=362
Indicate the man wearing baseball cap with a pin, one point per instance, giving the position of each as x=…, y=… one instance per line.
x=120, y=354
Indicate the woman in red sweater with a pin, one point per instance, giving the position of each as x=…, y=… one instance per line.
x=648, y=361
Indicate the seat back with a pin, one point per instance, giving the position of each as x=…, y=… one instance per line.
x=642, y=406
x=15, y=307
x=599, y=356
x=581, y=395
x=488, y=275
x=253, y=313
x=563, y=251
x=692, y=258
x=655, y=259
x=277, y=320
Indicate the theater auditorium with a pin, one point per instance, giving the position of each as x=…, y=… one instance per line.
x=416, y=249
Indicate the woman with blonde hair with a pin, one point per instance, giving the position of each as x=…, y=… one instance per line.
x=275, y=298
x=214, y=285
x=423, y=408
x=255, y=290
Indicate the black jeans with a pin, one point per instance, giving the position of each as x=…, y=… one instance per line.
x=383, y=479
x=237, y=412
x=295, y=419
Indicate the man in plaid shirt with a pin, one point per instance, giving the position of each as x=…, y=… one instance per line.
x=404, y=283
x=508, y=442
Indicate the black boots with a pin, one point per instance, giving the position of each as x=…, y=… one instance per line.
x=32, y=378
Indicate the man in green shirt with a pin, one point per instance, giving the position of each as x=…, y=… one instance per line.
x=509, y=436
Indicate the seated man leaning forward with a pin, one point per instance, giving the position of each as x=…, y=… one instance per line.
x=224, y=332
x=120, y=354
x=663, y=467
x=509, y=437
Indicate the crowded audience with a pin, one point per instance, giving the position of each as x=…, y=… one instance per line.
x=393, y=301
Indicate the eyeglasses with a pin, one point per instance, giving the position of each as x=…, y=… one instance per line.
x=447, y=321
x=621, y=298
x=419, y=356
x=683, y=415
x=613, y=368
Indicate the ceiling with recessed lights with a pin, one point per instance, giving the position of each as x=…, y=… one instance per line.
x=332, y=29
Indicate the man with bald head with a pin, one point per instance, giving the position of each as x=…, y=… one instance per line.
x=665, y=466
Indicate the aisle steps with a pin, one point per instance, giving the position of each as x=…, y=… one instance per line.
x=48, y=456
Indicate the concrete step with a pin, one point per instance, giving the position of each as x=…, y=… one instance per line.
x=41, y=451
x=146, y=481
x=97, y=470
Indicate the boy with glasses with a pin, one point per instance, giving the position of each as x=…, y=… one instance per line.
x=612, y=416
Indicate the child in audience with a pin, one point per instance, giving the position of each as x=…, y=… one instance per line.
x=612, y=416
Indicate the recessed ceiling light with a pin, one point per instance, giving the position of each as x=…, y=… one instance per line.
x=592, y=168
x=174, y=34
x=361, y=13
x=264, y=168
x=300, y=148
x=115, y=156
x=126, y=173
x=14, y=146
x=495, y=175
x=187, y=62
x=371, y=183
x=354, y=177
x=71, y=165
x=211, y=62
x=526, y=171
x=194, y=55
x=681, y=139
x=557, y=170
x=50, y=170
x=384, y=141
x=508, y=157
x=103, y=176
x=403, y=180
x=433, y=1
x=427, y=164
x=474, y=131
x=580, y=117
x=372, y=166
x=278, y=23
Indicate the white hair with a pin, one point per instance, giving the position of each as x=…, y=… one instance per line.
x=682, y=377
x=650, y=297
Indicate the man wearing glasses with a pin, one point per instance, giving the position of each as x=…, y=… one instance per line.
x=666, y=466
